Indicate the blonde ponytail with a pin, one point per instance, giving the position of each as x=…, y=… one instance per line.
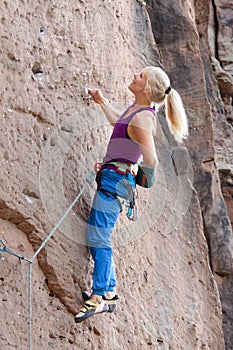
x=161, y=92
x=176, y=116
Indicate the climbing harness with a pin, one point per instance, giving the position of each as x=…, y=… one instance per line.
x=122, y=168
x=119, y=167
x=124, y=202
x=89, y=180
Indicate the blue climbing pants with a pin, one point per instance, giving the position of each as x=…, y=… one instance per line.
x=102, y=219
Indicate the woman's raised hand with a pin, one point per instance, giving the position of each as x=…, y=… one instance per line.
x=96, y=95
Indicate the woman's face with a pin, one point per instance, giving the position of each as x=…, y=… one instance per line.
x=138, y=84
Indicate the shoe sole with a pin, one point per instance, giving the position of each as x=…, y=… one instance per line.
x=88, y=315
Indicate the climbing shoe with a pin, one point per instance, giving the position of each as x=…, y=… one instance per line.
x=89, y=309
x=86, y=295
x=112, y=303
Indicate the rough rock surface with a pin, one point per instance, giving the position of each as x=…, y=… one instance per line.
x=169, y=261
x=220, y=25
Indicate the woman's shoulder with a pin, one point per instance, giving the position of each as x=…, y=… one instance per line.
x=144, y=120
x=145, y=115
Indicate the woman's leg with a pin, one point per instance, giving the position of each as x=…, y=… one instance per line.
x=102, y=219
x=104, y=274
x=112, y=281
x=103, y=216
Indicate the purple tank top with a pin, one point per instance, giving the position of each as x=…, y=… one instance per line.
x=121, y=148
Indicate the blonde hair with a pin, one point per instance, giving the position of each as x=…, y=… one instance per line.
x=160, y=92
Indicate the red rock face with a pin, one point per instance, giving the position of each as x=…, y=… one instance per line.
x=221, y=48
x=168, y=262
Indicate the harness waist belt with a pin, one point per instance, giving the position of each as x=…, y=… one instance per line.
x=122, y=168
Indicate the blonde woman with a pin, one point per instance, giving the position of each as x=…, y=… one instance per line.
x=130, y=160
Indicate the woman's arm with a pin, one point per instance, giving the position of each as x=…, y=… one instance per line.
x=141, y=130
x=111, y=113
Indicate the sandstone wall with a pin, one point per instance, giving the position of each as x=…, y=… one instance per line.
x=221, y=105
x=50, y=138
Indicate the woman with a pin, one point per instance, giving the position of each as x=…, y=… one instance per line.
x=132, y=140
